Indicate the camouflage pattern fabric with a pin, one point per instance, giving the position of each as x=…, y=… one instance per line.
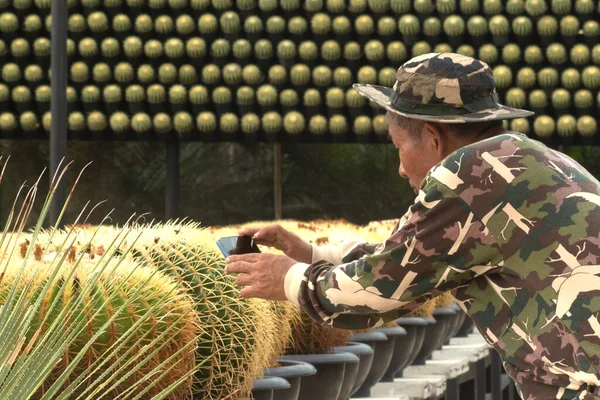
x=512, y=228
x=445, y=88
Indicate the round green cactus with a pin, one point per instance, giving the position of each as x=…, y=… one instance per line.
x=387, y=76
x=584, y=7
x=179, y=5
x=156, y=93
x=386, y=26
x=153, y=48
x=378, y=6
x=561, y=98
x=222, y=95
x=246, y=4
x=561, y=6
x=88, y=47
x=400, y=6
x=230, y=22
x=132, y=46
x=308, y=50
x=11, y=72
x=587, y=126
x=342, y=77
x=320, y=24
x=101, y=73
x=263, y=49
x=556, y=54
x=591, y=29
x=232, y=74
x=42, y=93
x=208, y=24
x=354, y=99
x=96, y=121
x=408, y=25
x=468, y=7
x=184, y=25
x=167, y=73
x=566, y=126
x=198, y=94
x=526, y=78
x=421, y=48
x=275, y=25
x=424, y=6
x=570, y=78
x=121, y=23
x=28, y=121
x=206, y=122
x=287, y=49
x=322, y=75
x=187, y=74
x=33, y=73
x=454, y=25
x=289, y=98
x=596, y=54
x=109, y=47
x=32, y=23
x=294, y=123
x=335, y=98
x=547, y=26
x=135, y=93
x=252, y=75
x=522, y=26
x=536, y=8
x=443, y=48
x=123, y=72
x=362, y=125
x=210, y=74
x=277, y=75
x=241, y=49
x=143, y=24
x=357, y=6
x=492, y=7
x=317, y=125
x=48, y=22
x=266, y=95
x=76, y=121
x=338, y=125
x=353, y=51
x=183, y=122
x=21, y=94
x=20, y=48
x=250, y=123
x=297, y=26
x=313, y=5
x=520, y=125
x=341, y=26
x=253, y=25
x=580, y=54
x=300, y=75
x=311, y=98
x=47, y=121
x=79, y=72
x=174, y=48
x=466, y=50
x=488, y=53
x=477, y=26
x=533, y=55
x=515, y=7
x=141, y=122
x=71, y=95
x=162, y=123
x=569, y=25
x=503, y=76
x=538, y=99
x=445, y=6
x=583, y=98
x=245, y=96
x=590, y=77
x=432, y=26
x=76, y=23
x=177, y=94
x=499, y=25
x=380, y=126
x=222, y=4
x=374, y=50
x=544, y=126
x=396, y=52
x=196, y=47
x=112, y=94
x=548, y=78
x=272, y=122
x=516, y=97
x=367, y=74
x=220, y=48
x=41, y=47
x=267, y=5
x=119, y=122
x=97, y=21
x=364, y=25
x=229, y=123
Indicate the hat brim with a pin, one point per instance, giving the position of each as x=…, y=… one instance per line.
x=382, y=95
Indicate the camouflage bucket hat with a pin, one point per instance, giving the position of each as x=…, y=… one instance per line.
x=445, y=88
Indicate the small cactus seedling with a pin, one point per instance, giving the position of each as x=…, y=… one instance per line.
x=400, y=6
x=277, y=75
x=443, y=48
x=41, y=47
x=184, y=25
x=135, y=94
x=561, y=98
x=335, y=98
x=174, y=48
x=287, y=49
x=294, y=123
x=207, y=24
x=28, y=121
x=590, y=77
x=445, y=6
x=570, y=78
x=119, y=122
x=8, y=122
x=101, y=73
x=547, y=26
x=32, y=23
x=250, y=123
x=503, y=76
x=587, y=126
x=141, y=123
x=33, y=73
x=536, y=8
x=544, y=126
x=342, y=77
x=367, y=74
x=583, y=98
x=229, y=123
x=76, y=23
x=146, y=74
x=421, y=48
x=322, y=75
x=195, y=47
x=492, y=7
x=387, y=76
x=341, y=25
x=133, y=46
x=20, y=48
x=516, y=97
x=312, y=98
x=584, y=7
x=245, y=96
x=275, y=25
x=123, y=72
x=156, y=93
x=374, y=50
x=591, y=29
x=109, y=47
x=569, y=25
x=317, y=125
x=499, y=25
x=331, y=50
x=187, y=74
x=396, y=52
x=42, y=93
x=526, y=78
x=477, y=26
x=338, y=125
x=253, y=25
x=88, y=47
x=561, y=6
x=424, y=6
x=121, y=23
x=320, y=24
x=362, y=125
x=112, y=94
x=266, y=95
x=522, y=26
x=352, y=51
x=246, y=4
x=468, y=7
x=408, y=25
x=183, y=122
x=548, y=78
x=533, y=55
x=267, y=5
x=466, y=50
x=11, y=73
x=206, y=122
x=230, y=22
x=566, y=126
x=153, y=48
x=308, y=50
x=162, y=123
x=97, y=21
x=271, y=122
x=79, y=72
x=488, y=53
x=556, y=54
x=380, y=126
x=198, y=95
x=520, y=125
x=252, y=75
x=96, y=121
x=167, y=73
x=300, y=75
x=21, y=94
x=386, y=26
x=232, y=74
x=241, y=49
x=177, y=94
x=515, y=7
x=263, y=49
x=454, y=25
x=538, y=99
x=76, y=121
x=222, y=4
x=222, y=95
x=357, y=6
x=297, y=26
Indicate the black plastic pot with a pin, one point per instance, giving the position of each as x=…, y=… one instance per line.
x=466, y=327
x=293, y=372
x=449, y=315
x=414, y=326
x=383, y=352
x=264, y=389
x=326, y=384
x=458, y=321
x=365, y=357
x=434, y=333
x=403, y=345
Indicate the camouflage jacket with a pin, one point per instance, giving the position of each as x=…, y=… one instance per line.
x=512, y=228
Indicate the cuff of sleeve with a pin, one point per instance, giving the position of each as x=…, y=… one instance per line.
x=327, y=253
x=293, y=278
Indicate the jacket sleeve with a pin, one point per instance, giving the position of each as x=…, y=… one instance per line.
x=438, y=246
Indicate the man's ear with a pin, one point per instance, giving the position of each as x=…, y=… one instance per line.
x=436, y=138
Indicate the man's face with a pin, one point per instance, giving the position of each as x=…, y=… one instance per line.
x=417, y=154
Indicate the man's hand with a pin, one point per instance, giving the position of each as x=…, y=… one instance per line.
x=276, y=236
x=261, y=274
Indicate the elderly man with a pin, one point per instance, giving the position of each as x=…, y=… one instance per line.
x=508, y=225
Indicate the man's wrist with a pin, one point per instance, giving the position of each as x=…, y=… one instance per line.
x=293, y=279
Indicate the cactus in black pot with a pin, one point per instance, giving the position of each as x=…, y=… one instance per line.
x=311, y=100
x=272, y=124
x=199, y=98
x=320, y=25
x=263, y=53
x=277, y=76
x=230, y=25
x=590, y=77
x=362, y=128
x=135, y=96
x=288, y=100
x=587, y=127
x=547, y=28
x=90, y=98
x=317, y=128
x=229, y=125
x=241, y=50
x=570, y=79
x=488, y=53
x=250, y=126
x=338, y=128
x=222, y=99
x=583, y=100
x=187, y=74
x=76, y=125
x=113, y=97
x=267, y=97
x=120, y=124
x=178, y=96
x=183, y=124
x=352, y=55
x=42, y=98
x=252, y=75
x=206, y=123
x=244, y=99
x=561, y=100
x=167, y=74
x=174, y=48
x=409, y=27
x=141, y=125
x=41, y=52
x=538, y=101
x=300, y=76
x=253, y=27
x=163, y=126
x=355, y=103
x=34, y=76
x=294, y=125
x=342, y=77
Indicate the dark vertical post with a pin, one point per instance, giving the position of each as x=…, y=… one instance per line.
x=277, y=179
x=172, y=190
x=496, y=380
x=58, y=101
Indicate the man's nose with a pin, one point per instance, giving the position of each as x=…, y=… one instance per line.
x=402, y=171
